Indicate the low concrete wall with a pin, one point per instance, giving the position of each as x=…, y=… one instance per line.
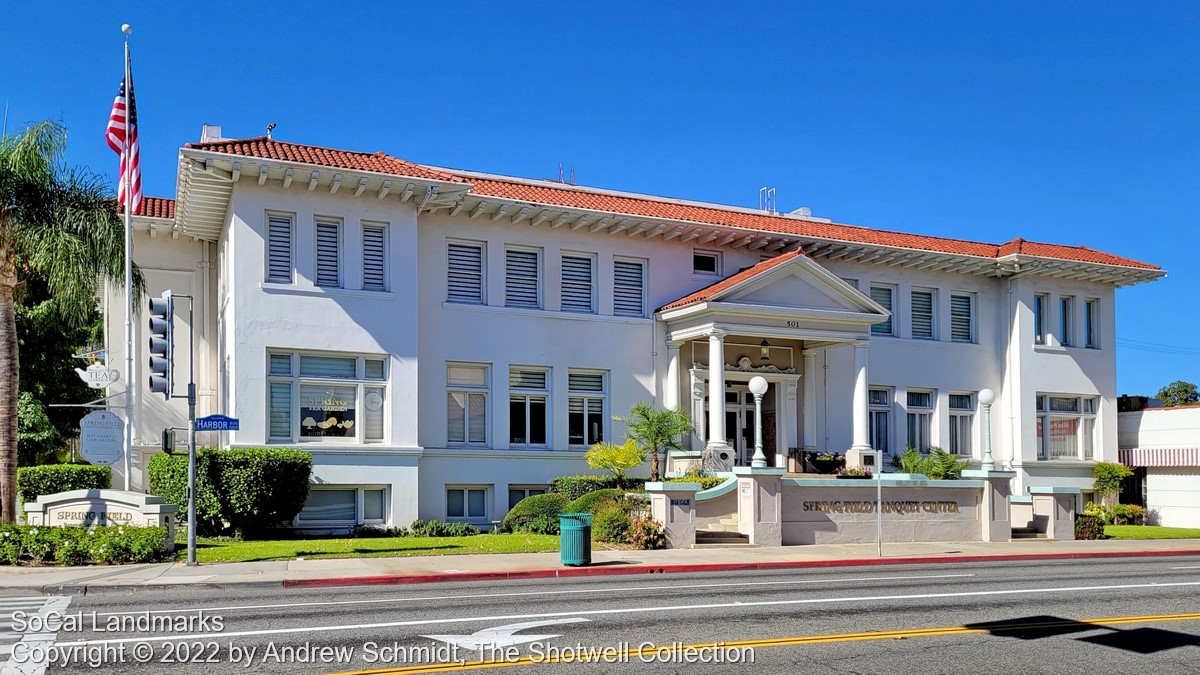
x=820, y=511
x=716, y=504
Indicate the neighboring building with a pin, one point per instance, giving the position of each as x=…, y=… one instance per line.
x=446, y=342
x=1163, y=447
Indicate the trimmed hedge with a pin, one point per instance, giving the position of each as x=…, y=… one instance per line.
x=574, y=487
x=35, y=481
x=1089, y=527
x=23, y=544
x=706, y=482
x=245, y=489
x=594, y=502
x=537, y=514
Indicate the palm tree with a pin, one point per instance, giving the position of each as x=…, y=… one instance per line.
x=655, y=431
x=61, y=224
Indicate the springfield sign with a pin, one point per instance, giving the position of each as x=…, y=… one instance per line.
x=101, y=437
x=899, y=508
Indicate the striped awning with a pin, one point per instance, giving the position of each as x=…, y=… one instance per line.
x=1159, y=456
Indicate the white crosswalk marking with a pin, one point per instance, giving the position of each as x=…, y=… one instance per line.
x=9, y=637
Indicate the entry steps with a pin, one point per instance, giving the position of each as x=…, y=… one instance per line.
x=722, y=534
x=1027, y=533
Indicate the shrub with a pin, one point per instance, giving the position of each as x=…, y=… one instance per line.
x=647, y=534
x=937, y=465
x=248, y=489
x=35, y=481
x=82, y=545
x=574, y=487
x=522, y=516
x=1127, y=514
x=706, y=482
x=616, y=458
x=1108, y=476
x=594, y=502
x=441, y=528
x=611, y=525
x=1089, y=527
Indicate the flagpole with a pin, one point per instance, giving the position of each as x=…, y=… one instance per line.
x=130, y=382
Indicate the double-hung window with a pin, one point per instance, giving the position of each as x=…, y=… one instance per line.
x=962, y=416
x=518, y=492
x=923, y=321
x=884, y=296
x=522, y=278
x=466, y=403
x=374, y=257
x=329, y=253
x=528, y=406
x=629, y=287
x=314, y=397
x=1091, y=323
x=464, y=272
x=1066, y=426
x=1066, y=320
x=962, y=317
x=579, y=283
x=467, y=503
x=1039, y=318
x=920, y=419
x=280, y=251
x=586, y=400
x=343, y=505
x=881, y=419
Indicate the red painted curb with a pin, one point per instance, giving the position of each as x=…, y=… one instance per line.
x=602, y=571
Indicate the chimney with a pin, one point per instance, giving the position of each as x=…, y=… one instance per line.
x=210, y=133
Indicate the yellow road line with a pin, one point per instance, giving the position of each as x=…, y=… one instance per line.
x=783, y=642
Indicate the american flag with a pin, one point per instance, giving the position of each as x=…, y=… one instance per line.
x=130, y=152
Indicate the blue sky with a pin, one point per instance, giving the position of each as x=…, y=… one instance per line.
x=1072, y=123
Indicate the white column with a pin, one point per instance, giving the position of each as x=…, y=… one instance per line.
x=862, y=434
x=716, y=389
x=810, y=400
x=671, y=391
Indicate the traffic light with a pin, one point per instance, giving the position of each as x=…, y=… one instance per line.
x=162, y=343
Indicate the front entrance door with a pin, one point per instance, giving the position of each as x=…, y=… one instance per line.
x=739, y=422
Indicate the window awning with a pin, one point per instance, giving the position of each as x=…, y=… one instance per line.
x=1159, y=456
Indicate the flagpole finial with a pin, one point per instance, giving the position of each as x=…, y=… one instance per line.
x=126, y=29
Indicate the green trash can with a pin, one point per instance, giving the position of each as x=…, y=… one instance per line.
x=575, y=538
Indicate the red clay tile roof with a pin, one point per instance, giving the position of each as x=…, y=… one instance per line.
x=378, y=162
x=157, y=207
x=1078, y=253
x=706, y=293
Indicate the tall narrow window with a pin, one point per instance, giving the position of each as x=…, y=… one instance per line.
x=1039, y=318
x=962, y=317
x=922, y=315
x=374, y=264
x=329, y=255
x=962, y=415
x=528, y=410
x=1066, y=321
x=881, y=419
x=1091, y=323
x=585, y=415
x=279, y=249
x=884, y=295
x=466, y=403
x=522, y=287
x=629, y=287
x=920, y=419
x=464, y=275
x=578, y=283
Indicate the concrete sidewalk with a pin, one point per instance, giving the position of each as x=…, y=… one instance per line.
x=428, y=569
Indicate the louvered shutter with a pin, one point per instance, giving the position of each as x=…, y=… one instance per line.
x=329, y=272
x=922, y=314
x=577, y=282
x=327, y=366
x=883, y=296
x=374, y=257
x=279, y=250
x=585, y=381
x=521, y=279
x=629, y=281
x=960, y=318
x=281, y=410
x=519, y=378
x=464, y=278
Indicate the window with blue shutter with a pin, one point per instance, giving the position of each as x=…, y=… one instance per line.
x=279, y=249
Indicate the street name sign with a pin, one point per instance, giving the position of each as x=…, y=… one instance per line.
x=217, y=423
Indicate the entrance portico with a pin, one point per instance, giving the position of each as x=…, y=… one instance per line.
x=766, y=320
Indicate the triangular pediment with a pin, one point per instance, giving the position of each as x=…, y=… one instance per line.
x=797, y=288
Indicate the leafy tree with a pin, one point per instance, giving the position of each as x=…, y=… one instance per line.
x=1107, y=478
x=1178, y=393
x=616, y=458
x=655, y=431
x=60, y=224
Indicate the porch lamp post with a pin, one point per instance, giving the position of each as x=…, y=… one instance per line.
x=986, y=398
x=758, y=387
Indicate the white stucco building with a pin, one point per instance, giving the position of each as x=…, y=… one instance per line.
x=1163, y=447
x=444, y=342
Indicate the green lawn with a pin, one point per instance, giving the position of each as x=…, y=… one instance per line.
x=1150, y=532
x=225, y=550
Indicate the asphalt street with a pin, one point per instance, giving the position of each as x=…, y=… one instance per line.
x=1139, y=615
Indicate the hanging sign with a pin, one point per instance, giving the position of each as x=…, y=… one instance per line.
x=101, y=437
x=98, y=375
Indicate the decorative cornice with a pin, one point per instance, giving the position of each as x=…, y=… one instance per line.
x=745, y=365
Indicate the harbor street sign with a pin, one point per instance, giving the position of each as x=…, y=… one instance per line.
x=217, y=423
x=101, y=437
